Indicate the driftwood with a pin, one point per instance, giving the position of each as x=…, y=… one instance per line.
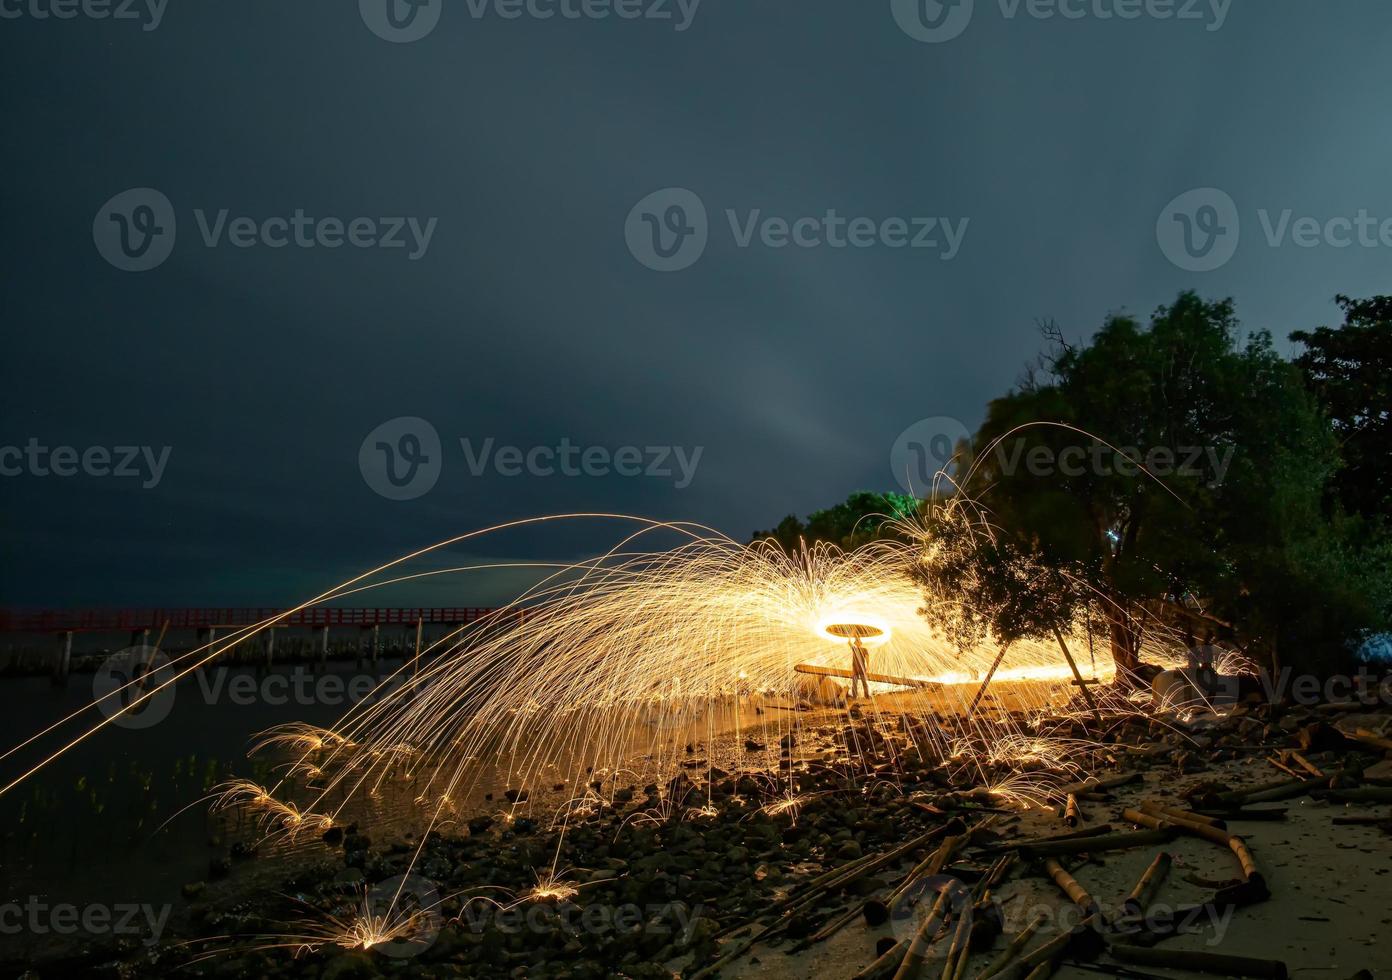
x=1085, y=940
x=1076, y=893
x=958, y=951
x=1029, y=842
x=1161, y=811
x=1253, y=886
x=813, y=892
x=1204, y=962
x=1071, y=814
x=1100, y=785
x=1106, y=842
x=918, y=949
x=877, y=911
x=1149, y=883
x=1307, y=765
x=1371, y=738
x=1272, y=760
x=1012, y=949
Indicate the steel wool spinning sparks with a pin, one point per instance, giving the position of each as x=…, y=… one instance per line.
x=628, y=659
x=639, y=653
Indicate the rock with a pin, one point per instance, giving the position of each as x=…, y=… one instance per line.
x=349, y=966
x=1319, y=737
x=516, y=796
x=194, y=889
x=1379, y=774
x=349, y=876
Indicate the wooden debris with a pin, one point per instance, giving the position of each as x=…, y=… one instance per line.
x=1012, y=949
x=1107, y=842
x=1149, y=883
x=1076, y=893
x=917, y=951
x=1071, y=814
x=1159, y=810
x=1307, y=765
x=1253, y=886
x=1372, y=738
x=1100, y=785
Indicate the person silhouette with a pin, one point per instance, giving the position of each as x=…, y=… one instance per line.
x=860, y=667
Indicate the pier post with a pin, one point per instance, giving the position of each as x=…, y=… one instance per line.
x=270, y=647
x=415, y=661
x=62, y=659
x=376, y=642
x=323, y=646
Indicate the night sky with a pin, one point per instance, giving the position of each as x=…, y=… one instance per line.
x=531, y=315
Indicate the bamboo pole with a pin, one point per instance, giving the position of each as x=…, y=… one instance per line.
x=1149, y=883
x=1012, y=948
x=981, y=692
x=916, y=953
x=1108, y=842
x=1076, y=893
x=1078, y=677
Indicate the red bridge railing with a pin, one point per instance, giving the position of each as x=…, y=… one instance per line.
x=93, y=620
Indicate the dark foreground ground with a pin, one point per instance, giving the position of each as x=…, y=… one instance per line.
x=773, y=871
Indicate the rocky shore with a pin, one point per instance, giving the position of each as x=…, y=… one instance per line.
x=831, y=861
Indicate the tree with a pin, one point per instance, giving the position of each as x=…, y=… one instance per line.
x=1349, y=369
x=861, y=517
x=1155, y=461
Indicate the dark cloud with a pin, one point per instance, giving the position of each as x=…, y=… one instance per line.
x=527, y=319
